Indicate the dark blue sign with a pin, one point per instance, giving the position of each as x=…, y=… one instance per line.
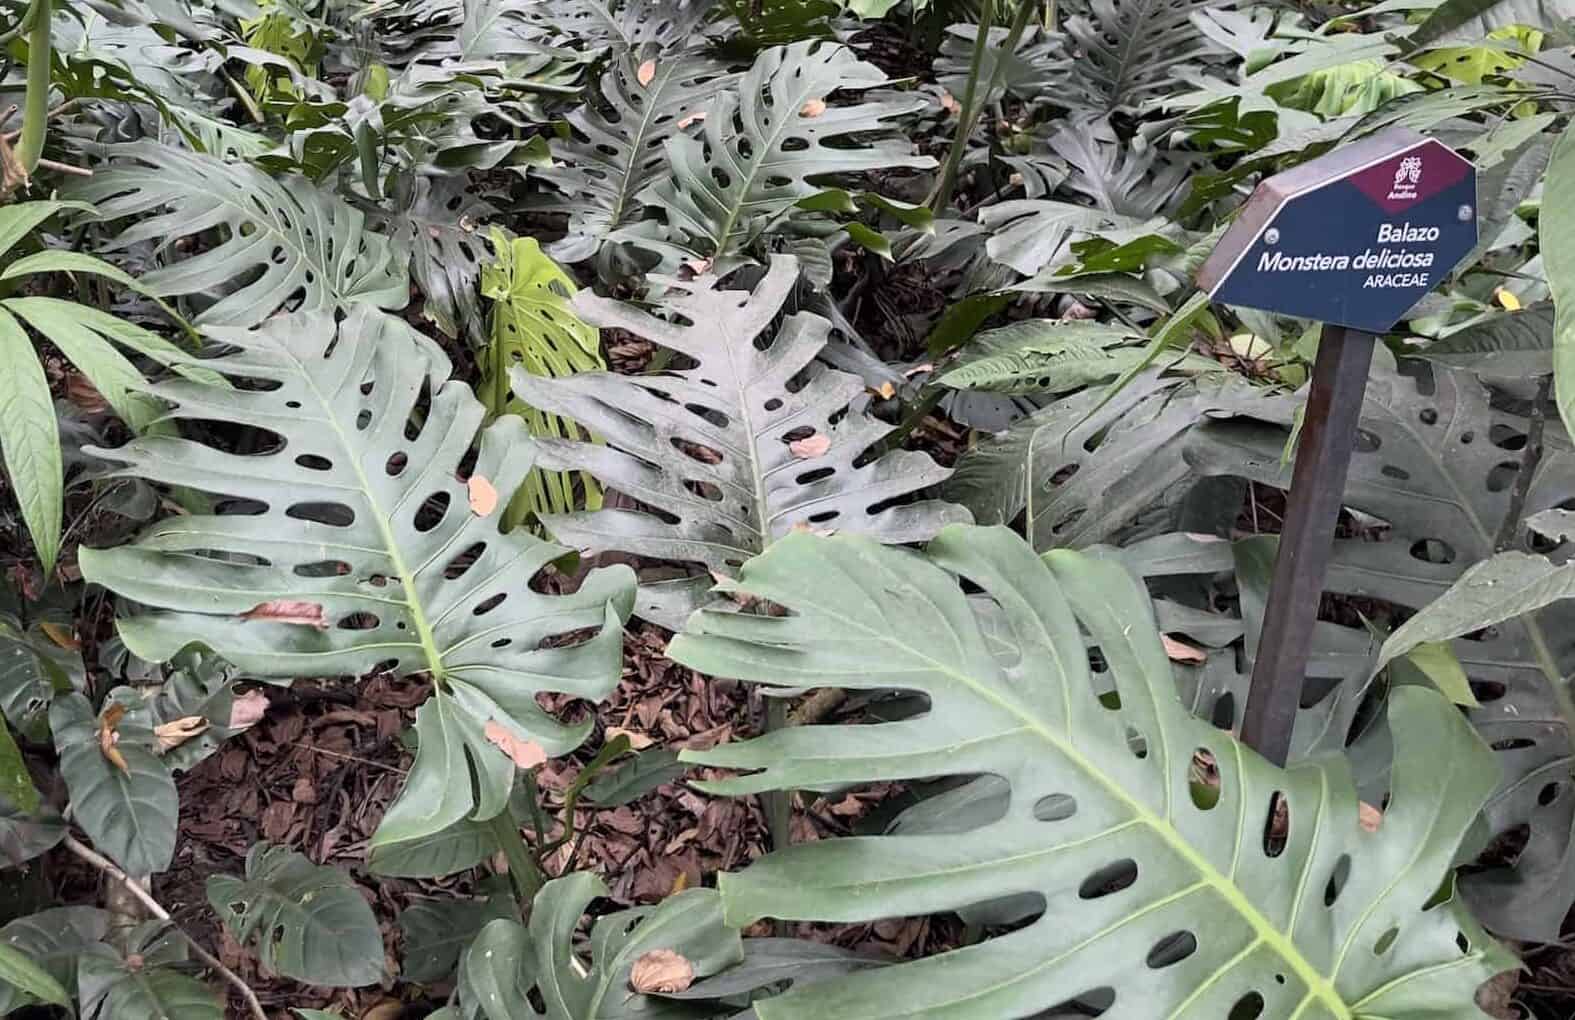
x=1353, y=238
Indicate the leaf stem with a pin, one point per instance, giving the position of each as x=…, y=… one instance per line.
x=104, y=865
x=942, y=195
x=524, y=872
x=35, y=107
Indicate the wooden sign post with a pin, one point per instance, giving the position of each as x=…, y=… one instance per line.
x=1351, y=239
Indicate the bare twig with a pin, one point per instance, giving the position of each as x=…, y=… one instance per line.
x=64, y=168
x=109, y=868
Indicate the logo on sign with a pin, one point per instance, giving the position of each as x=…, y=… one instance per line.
x=1407, y=176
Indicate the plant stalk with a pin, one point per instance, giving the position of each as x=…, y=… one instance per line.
x=524, y=872
x=35, y=107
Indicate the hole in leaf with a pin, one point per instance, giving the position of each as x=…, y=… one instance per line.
x=464, y=561
x=1548, y=794
x=1367, y=442
x=1513, y=744
x=1137, y=743
x=1506, y=438
x=1112, y=878
x=1057, y=807
x=1462, y=943
x=395, y=464
x=490, y=604
x=1203, y=779
x=1248, y=1007
x=1171, y=950
x=1385, y=940
x=1433, y=550
x=1428, y=416
x=1337, y=880
x=312, y=462
x=1277, y=826
x=1398, y=474
x=433, y=508
x=1502, y=475
x=335, y=515
x=1224, y=714
x=321, y=568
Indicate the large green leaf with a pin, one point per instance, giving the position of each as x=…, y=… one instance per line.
x=616, y=149
x=535, y=329
x=1083, y=473
x=283, y=243
x=137, y=980
x=57, y=940
x=727, y=447
x=30, y=440
x=129, y=813
x=1051, y=356
x=1556, y=242
x=507, y=960
x=1436, y=464
x=1472, y=20
x=1157, y=902
x=352, y=543
x=1130, y=54
x=307, y=921
x=763, y=141
x=19, y=971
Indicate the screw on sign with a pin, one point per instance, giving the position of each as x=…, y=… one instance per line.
x=1352, y=239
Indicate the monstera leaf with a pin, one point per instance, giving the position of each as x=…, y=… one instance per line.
x=1051, y=356
x=1084, y=472
x=1437, y=463
x=617, y=148
x=308, y=921
x=763, y=141
x=283, y=242
x=1130, y=178
x=728, y=448
x=534, y=328
x=353, y=545
x=1159, y=897
x=1130, y=54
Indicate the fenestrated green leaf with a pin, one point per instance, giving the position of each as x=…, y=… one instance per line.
x=1556, y=242
x=1473, y=20
x=1436, y=461
x=441, y=227
x=436, y=932
x=362, y=547
x=726, y=447
x=727, y=185
x=625, y=126
x=534, y=328
x=129, y=814
x=1083, y=472
x=1130, y=54
x=507, y=960
x=306, y=921
x=19, y=971
x=56, y=939
x=1050, y=356
x=1156, y=904
x=30, y=440
x=283, y=241
x=1508, y=344
x=1031, y=235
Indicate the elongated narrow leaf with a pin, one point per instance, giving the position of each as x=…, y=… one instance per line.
x=617, y=148
x=1050, y=356
x=535, y=330
x=129, y=813
x=763, y=141
x=357, y=545
x=1517, y=345
x=726, y=446
x=1156, y=903
x=1472, y=20
x=30, y=440
x=306, y=921
x=19, y=971
x=283, y=244
x=56, y=940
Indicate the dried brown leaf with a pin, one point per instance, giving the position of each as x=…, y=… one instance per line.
x=810, y=447
x=1180, y=651
x=813, y=108
x=305, y=614
x=1368, y=817
x=661, y=970
x=645, y=73
x=526, y=754
x=177, y=731
x=693, y=118
x=107, y=737
x=247, y=709
x=638, y=741
x=61, y=635
x=483, y=496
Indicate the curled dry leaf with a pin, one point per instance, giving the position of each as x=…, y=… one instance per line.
x=813, y=108
x=1368, y=817
x=693, y=118
x=661, y=970
x=306, y=614
x=638, y=741
x=177, y=731
x=645, y=73
x=886, y=390
x=247, y=709
x=949, y=103
x=483, y=496
x=108, y=737
x=526, y=754
x=1180, y=651
x=65, y=637
x=810, y=447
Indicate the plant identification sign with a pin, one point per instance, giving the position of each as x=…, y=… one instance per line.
x=1353, y=238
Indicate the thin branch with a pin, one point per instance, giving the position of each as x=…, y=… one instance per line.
x=109, y=868
x=1529, y=462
